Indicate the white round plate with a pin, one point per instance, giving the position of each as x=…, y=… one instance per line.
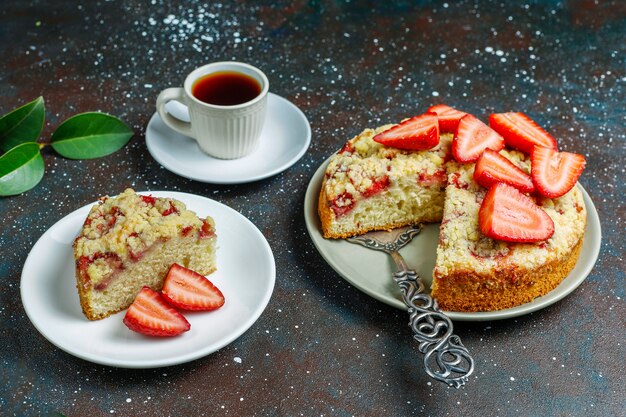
x=245, y=275
x=371, y=271
x=285, y=137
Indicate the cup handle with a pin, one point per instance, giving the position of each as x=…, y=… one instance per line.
x=165, y=97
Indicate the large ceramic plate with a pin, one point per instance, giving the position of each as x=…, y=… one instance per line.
x=370, y=271
x=285, y=137
x=245, y=274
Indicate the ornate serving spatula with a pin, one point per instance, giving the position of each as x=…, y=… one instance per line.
x=445, y=357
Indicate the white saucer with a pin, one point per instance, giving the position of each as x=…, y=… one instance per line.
x=371, y=271
x=285, y=138
x=245, y=274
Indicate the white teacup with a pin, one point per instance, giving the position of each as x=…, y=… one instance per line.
x=222, y=131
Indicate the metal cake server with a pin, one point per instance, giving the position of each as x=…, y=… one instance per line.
x=445, y=357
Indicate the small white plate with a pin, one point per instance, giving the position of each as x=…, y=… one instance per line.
x=245, y=274
x=285, y=137
x=372, y=273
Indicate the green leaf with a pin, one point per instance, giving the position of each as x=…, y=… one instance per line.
x=20, y=169
x=90, y=135
x=22, y=125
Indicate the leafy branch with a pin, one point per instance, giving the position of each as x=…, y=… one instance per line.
x=83, y=136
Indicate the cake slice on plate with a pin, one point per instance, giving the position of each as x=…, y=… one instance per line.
x=130, y=241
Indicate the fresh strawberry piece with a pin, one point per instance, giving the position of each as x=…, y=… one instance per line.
x=555, y=173
x=415, y=134
x=507, y=214
x=448, y=117
x=472, y=137
x=520, y=131
x=151, y=315
x=493, y=167
x=186, y=289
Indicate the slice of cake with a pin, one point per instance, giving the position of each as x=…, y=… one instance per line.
x=476, y=273
x=130, y=241
x=369, y=186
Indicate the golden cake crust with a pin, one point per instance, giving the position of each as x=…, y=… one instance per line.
x=467, y=291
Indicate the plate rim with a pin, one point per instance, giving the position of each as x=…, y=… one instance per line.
x=593, y=222
x=154, y=152
x=174, y=359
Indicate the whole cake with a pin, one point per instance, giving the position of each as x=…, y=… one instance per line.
x=502, y=241
x=130, y=241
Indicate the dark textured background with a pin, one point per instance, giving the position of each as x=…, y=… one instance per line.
x=322, y=347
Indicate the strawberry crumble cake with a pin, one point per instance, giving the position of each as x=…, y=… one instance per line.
x=512, y=220
x=130, y=241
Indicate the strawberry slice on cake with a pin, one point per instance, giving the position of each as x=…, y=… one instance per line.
x=508, y=215
x=415, y=134
x=555, y=173
x=472, y=137
x=492, y=168
x=449, y=117
x=520, y=131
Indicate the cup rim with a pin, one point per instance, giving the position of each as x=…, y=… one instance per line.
x=193, y=76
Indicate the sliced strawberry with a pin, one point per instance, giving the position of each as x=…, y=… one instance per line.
x=415, y=134
x=448, y=117
x=493, y=167
x=472, y=137
x=555, y=173
x=151, y=315
x=507, y=214
x=520, y=131
x=186, y=289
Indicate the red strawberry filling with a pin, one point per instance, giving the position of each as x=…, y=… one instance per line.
x=436, y=179
x=378, y=185
x=148, y=199
x=114, y=262
x=170, y=210
x=347, y=148
x=342, y=204
x=456, y=180
x=206, y=230
x=186, y=230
